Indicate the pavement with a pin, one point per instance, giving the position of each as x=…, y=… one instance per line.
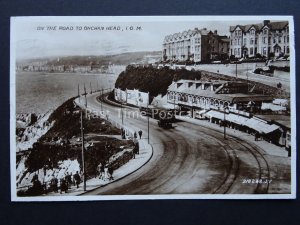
x=244, y=71
x=266, y=147
x=145, y=154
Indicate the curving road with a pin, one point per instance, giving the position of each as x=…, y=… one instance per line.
x=188, y=159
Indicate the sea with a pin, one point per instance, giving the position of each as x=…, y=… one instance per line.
x=40, y=92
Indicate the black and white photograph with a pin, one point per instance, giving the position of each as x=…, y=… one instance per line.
x=152, y=107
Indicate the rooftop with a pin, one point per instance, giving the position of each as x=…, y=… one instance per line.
x=272, y=25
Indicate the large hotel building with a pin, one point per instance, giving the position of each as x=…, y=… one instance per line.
x=195, y=46
x=262, y=38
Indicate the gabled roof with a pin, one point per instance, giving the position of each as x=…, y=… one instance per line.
x=272, y=25
x=278, y=25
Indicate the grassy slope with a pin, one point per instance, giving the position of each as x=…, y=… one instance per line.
x=156, y=81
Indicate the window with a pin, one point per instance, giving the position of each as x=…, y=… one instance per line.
x=287, y=39
x=251, y=51
x=264, y=51
x=245, y=41
x=264, y=40
x=252, y=32
x=265, y=31
x=284, y=39
x=256, y=41
x=274, y=40
x=287, y=50
x=279, y=39
x=251, y=41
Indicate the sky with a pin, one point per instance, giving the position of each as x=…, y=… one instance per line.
x=32, y=39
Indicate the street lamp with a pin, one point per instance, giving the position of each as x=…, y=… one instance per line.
x=148, y=123
x=224, y=110
x=122, y=112
x=82, y=152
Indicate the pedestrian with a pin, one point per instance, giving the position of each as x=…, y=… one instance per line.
x=102, y=174
x=122, y=132
x=140, y=134
x=99, y=169
x=68, y=179
x=110, y=171
x=135, y=135
x=106, y=175
x=63, y=186
x=256, y=136
x=137, y=148
x=54, y=183
x=77, y=179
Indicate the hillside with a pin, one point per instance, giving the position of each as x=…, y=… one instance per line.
x=156, y=81
x=118, y=59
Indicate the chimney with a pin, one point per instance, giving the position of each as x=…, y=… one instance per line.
x=204, y=28
x=266, y=22
x=215, y=32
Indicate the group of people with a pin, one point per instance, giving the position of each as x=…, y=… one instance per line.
x=105, y=171
x=140, y=134
x=65, y=183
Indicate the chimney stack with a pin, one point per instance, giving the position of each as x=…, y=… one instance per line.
x=215, y=32
x=266, y=22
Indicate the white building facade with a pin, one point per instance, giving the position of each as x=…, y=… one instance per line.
x=183, y=46
x=133, y=97
x=264, y=38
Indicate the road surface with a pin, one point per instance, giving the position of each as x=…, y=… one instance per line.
x=244, y=71
x=189, y=159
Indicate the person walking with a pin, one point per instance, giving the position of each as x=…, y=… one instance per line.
x=135, y=135
x=76, y=179
x=54, y=183
x=106, y=175
x=137, y=148
x=68, y=179
x=110, y=171
x=63, y=186
x=140, y=134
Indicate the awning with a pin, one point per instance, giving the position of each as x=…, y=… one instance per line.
x=261, y=125
x=241, y=120
x=200, y=111
x=215, y=114
x=272, y=107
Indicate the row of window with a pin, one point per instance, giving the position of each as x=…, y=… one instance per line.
x=252, y=32
x=237, y=41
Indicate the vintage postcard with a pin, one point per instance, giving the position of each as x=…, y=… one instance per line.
x=176, y=107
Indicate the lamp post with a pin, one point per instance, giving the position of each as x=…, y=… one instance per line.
x=224, y=108
x=122, y=112
x=236, y=69
x=101, y=99
x=78, y=93
x=82, y=152
x=148, y=123
x=85, y=96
